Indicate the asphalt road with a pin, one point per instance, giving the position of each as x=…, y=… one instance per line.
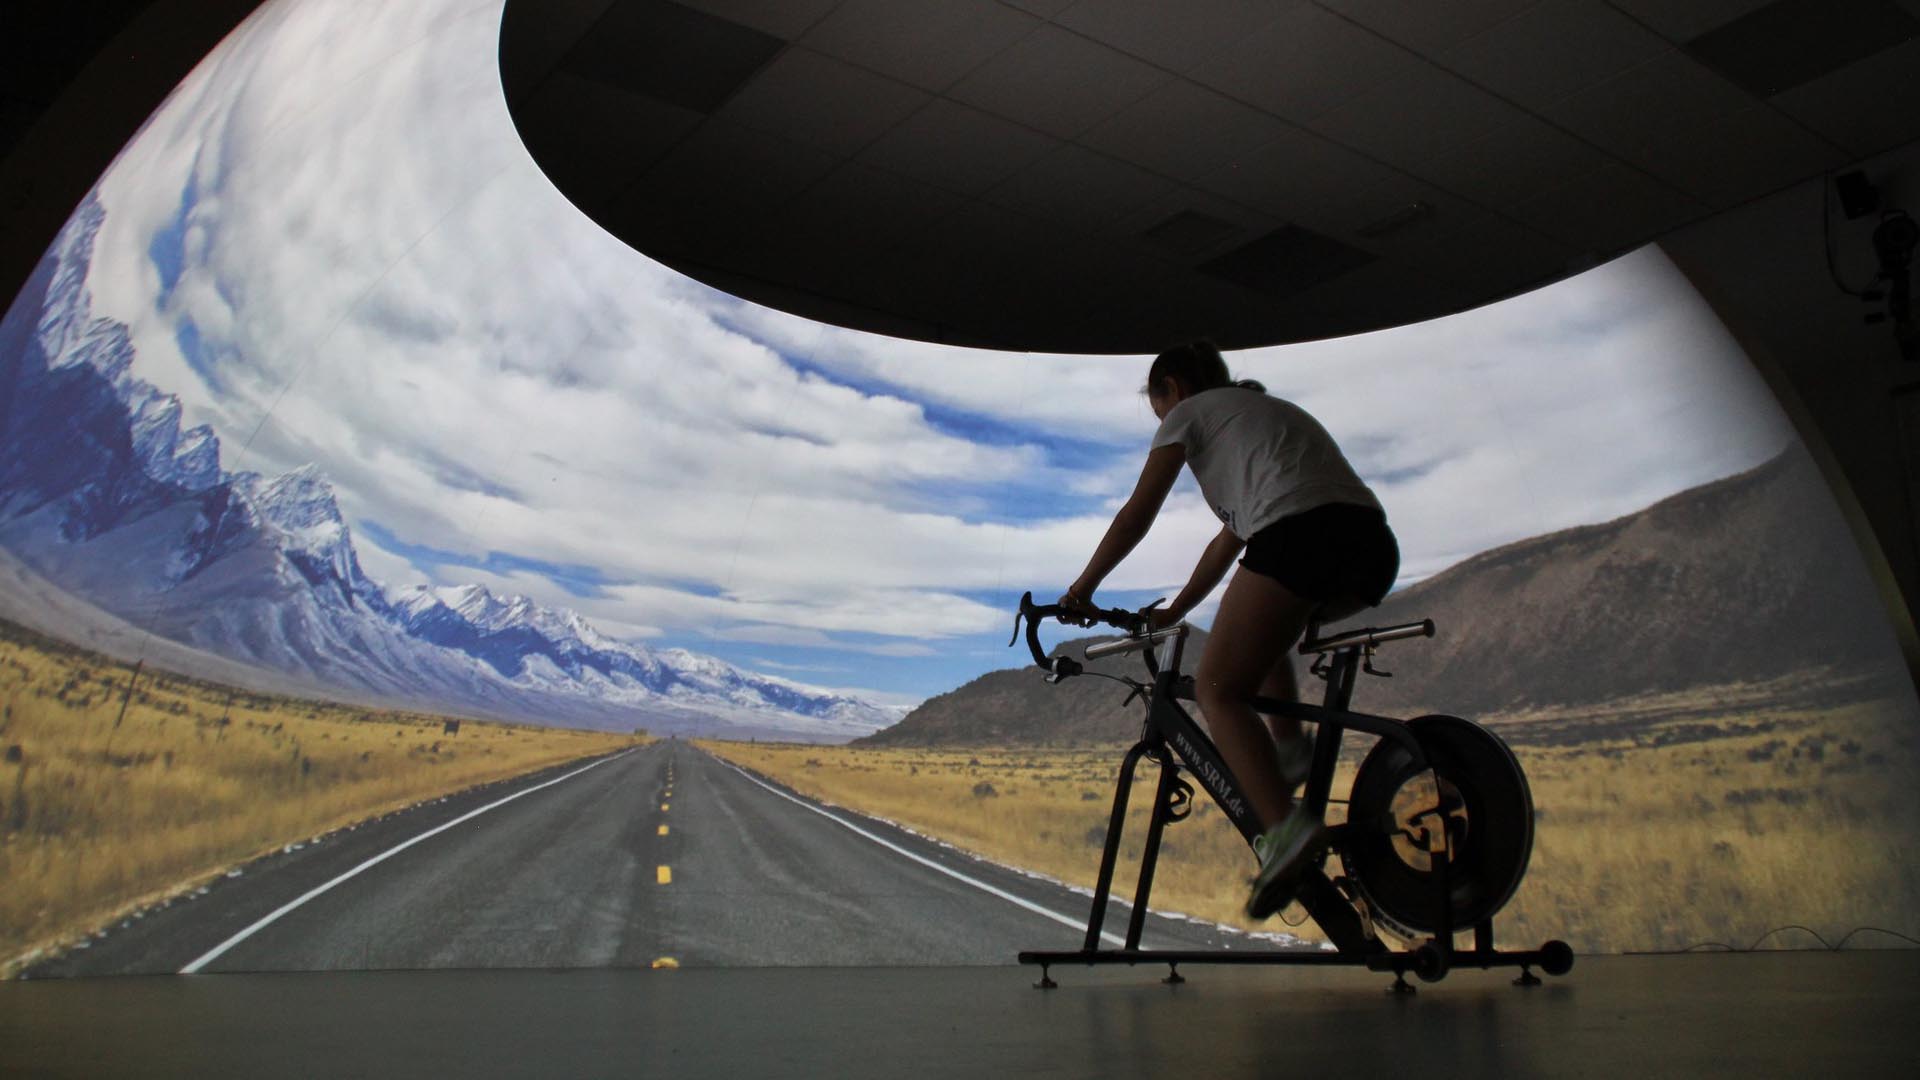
x=655, y=856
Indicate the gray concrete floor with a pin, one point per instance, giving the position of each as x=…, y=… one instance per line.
x=1755, y=1014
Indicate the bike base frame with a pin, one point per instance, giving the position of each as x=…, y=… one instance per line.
x=1430, y=962
x=1353, y=939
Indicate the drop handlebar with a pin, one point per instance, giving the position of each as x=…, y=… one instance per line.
x=1062, y=667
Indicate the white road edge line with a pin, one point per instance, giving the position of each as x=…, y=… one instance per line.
x=1064, y=920
x=243, y=935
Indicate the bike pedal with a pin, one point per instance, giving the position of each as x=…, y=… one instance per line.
x=1179, y=801
x=1351, y=893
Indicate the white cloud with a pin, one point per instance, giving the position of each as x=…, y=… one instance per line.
x=387, y=568
x=397, y=293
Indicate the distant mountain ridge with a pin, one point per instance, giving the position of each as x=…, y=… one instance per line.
x=103, y=494
x=1744, y=580
x=1018, y=707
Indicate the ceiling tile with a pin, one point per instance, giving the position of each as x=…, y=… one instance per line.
x=1133, y=285
x=1739, y=157
x=1190, y=233
x=1180, y=305
x=1293, y=173
x=956, y=147
x=1493, y=255
x=752, y=172
x=783, y=18
x=1413, y=118
x=889, y=207
x=1058, y=82
x=1006, y=268
x=1183, y=131
x=1649, y=104
x=1793, y=42
x=926, y=43
x=822, y=102
x=532, y=40
x=1397, y=213
x=1424, y=25
x=1350, y=303
x=593, y=139
x=1136, y=228
x=1177, y=36
x=1867, y=107
x=868, y=292
x=1684, y=20
x=1046, y=9
x=1512, y=162
x=1303, y=63
x=1287, y=261
x=1552, y=50
x=1608, y=210
x=673, y=53
x=1081, y=189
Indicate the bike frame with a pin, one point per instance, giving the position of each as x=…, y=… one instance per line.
x=1173, y=739
x=1170, y=727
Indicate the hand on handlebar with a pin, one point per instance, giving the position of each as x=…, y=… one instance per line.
x=1079, y=610
x=1154, y=618
x=1075, y=611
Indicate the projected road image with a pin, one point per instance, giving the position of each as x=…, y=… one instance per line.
x=660, y=856
x=352, y=481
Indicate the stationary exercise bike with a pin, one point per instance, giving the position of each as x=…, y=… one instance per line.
x=1438, y=829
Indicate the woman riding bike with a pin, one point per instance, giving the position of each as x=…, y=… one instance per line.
x=1317, y=548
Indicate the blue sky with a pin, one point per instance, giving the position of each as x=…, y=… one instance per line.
x=332, y=246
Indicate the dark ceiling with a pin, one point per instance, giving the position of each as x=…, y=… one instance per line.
x=77, y=79
x=42, y=47
x=1116, y=175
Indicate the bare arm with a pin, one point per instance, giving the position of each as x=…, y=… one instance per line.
x=1133, y=520
x=1214, y=564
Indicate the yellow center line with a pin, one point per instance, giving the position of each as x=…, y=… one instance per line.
x=666, y=875
x=663, y=808
x=666, y=962
x=663, y=830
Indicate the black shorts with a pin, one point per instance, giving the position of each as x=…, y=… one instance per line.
x=1339, y=552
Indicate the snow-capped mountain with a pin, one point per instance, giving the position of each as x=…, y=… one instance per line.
x=534, y=645
x=104, y=494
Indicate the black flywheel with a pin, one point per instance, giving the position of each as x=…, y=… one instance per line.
x=1472, y=804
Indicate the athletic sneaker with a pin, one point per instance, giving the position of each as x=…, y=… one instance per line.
x=1286, y=852
x=1296, y=760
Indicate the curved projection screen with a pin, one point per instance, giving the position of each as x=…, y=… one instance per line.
x=396, y=572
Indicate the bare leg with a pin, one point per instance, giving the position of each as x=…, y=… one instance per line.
x=1259, y=621
x=1280, y=686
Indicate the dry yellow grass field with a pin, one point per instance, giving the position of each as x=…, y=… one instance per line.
x=100, y=814
x=1675, y=832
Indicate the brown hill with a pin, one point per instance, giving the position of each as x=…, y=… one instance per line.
x=1743, y=580
x=1019, y=707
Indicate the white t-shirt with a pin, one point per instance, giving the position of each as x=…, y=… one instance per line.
x=1259, y=458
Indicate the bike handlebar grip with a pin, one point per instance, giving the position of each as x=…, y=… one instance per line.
x=1033, y=613
x=1033, y=642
